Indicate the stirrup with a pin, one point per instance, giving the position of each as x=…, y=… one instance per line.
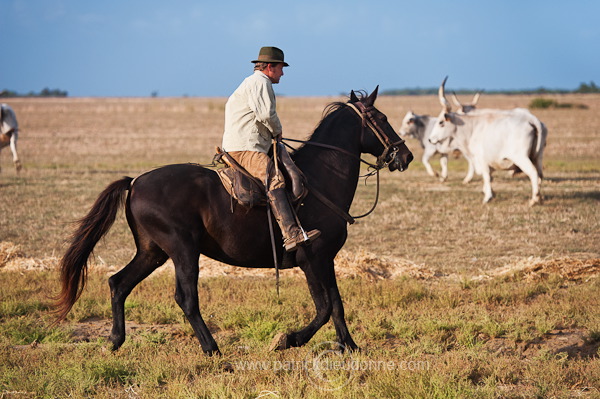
x=303, y=237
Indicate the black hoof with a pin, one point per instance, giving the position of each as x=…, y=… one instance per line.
x=213, y=352
x=280, y=342
x=116, y=343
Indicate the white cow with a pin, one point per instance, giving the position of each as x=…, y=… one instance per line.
x=419, y=127
x=9, y=132
x=495, y=139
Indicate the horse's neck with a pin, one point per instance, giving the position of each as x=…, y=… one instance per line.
x=334, y=173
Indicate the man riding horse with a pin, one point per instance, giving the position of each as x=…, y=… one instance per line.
x=251, y=123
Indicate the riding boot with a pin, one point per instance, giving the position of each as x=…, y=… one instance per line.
x=293, y=235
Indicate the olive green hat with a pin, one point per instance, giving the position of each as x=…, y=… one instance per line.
x=270, y=54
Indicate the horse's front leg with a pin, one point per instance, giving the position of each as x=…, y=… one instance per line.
x=323, y=307
x=339, y=319
x=320, y=277
x=326, y=279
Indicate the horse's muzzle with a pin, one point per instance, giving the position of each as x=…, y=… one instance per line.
x=401, y=161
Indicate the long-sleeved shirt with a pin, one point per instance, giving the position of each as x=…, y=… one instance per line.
x=251, y=119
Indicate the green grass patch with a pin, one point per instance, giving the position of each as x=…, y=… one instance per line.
x=418, y=338
x=545, y=103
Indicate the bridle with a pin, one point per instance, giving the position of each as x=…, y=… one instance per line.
x=367, y=116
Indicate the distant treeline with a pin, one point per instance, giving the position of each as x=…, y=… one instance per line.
x=583, y=88
x=44, y=93
x=418, y=91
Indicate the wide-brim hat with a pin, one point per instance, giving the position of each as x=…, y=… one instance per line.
x=270, y=54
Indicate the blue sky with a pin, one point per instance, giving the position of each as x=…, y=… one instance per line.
x=204, y=48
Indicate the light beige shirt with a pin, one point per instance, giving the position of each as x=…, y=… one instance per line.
x=251, y=119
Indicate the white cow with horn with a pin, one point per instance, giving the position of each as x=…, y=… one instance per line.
x=9, y=132
x=494, y=139
x=420, y=126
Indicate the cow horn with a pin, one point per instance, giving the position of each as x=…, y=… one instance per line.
x=475, y=99
x=456, y=100
x=442, y=96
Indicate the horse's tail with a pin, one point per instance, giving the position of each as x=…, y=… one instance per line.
x=73, y=265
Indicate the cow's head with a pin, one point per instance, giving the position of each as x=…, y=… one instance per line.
x=410, y=124
x=445, y=126
x=465, y=108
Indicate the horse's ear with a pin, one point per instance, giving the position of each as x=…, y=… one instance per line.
x=353, y=98
x=372, y=97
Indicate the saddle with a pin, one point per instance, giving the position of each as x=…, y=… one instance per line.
x=248, y=190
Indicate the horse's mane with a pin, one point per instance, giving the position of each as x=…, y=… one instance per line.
x=334, y=106
x=328, y=114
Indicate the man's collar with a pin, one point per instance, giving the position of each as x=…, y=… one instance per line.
x=261, y=73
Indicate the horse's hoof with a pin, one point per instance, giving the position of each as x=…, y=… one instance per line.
x=353, y=349
x=280, y=342
x=228, y=367
x=213, y=352
x=115, y=343
x=110, y=347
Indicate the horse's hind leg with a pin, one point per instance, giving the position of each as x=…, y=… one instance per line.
x=186, y=296
x=123, y=282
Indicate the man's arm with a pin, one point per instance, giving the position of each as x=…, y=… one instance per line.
x=263, y=104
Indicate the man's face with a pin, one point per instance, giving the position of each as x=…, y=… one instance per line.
x=274, y=72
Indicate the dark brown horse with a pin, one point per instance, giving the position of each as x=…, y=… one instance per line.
x=182, y=211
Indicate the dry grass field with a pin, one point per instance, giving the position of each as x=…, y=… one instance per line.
x=496, y=300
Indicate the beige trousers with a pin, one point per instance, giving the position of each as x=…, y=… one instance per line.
x=259, y=165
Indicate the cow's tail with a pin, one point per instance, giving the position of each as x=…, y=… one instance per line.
x=540, y=132
x=98, y=221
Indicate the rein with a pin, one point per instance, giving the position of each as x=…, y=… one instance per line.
x=343, y=214
x=390, y=149
x=330, y=147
